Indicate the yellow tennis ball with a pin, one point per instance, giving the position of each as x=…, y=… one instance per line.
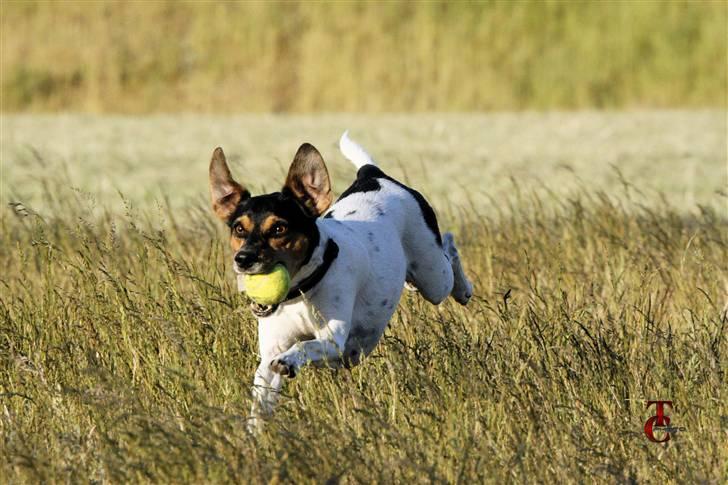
x=269, y=288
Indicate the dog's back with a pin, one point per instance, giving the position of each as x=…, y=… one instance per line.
x=394, y=233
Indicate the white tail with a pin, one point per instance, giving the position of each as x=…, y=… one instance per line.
x=354, y=152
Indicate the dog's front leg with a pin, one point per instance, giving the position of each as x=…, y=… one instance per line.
x=266, y=388
x=327, y=346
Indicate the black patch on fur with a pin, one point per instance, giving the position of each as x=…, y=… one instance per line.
x=329, y=215
x=350, y=213
x=367, y=180
x=361, y=333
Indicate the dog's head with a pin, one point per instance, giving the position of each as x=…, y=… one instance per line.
x=274, y=228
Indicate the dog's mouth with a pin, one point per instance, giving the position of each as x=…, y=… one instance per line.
x=256, y=268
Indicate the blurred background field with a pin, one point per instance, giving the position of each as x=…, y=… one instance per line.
x=231, y=57
x=459, y=97
x=468, y=161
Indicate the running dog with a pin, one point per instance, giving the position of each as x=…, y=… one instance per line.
x=348, y=261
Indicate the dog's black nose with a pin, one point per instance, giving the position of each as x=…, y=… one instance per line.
x=245, y=259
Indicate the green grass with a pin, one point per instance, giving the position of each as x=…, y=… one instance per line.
x=141, y=57
x=126, y=354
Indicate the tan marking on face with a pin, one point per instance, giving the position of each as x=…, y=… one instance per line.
x=246, y=222
x=291, y=250
x=269, y=222
x=236, y=243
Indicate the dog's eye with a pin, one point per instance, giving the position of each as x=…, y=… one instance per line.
x=279, y=228
x=239, y=230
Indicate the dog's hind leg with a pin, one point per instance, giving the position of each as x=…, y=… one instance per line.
x=462, y=289
x=438, y=273
x=429, y=271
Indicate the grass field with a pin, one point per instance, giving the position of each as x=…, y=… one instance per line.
x=462, y=160
x=360, y=56
x=126, y=353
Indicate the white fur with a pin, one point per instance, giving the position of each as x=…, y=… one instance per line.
x=383, y=241
x=354, y=152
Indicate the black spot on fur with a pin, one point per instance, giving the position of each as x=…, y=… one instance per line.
x=350, y=213
x=362, y=333
x=367, y=180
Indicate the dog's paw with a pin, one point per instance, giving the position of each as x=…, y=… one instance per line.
x=464, y=295
x=462, y=290
x=284, y=366
x=410, y=287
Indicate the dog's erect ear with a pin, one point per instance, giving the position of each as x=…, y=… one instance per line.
x=308, y=180
x=225, y=192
